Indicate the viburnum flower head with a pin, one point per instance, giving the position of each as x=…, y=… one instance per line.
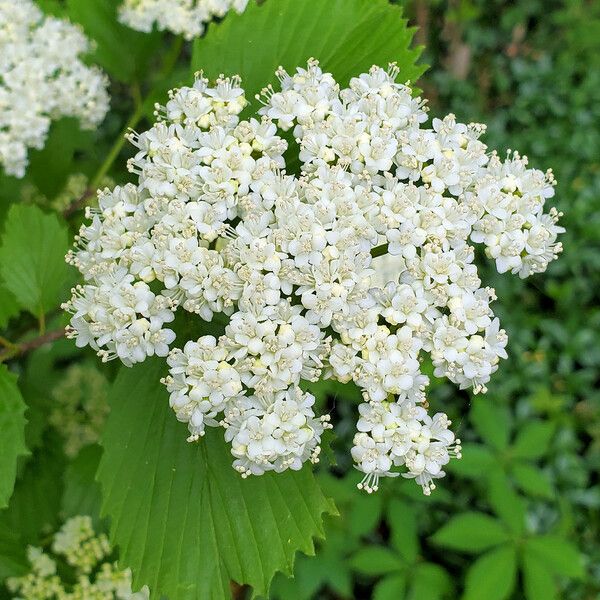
x=352, y=270
x=182, y=17
x=42, y=78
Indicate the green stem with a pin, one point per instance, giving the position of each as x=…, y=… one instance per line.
x=42, y=323
x=116, y=148
x=137, y=115
x=379, y=250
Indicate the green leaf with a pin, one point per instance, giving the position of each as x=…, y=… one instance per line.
x=12, y=436
x=390, y=588
x=185, y=522
x=475, y=462
x=51, y=7
x=507, y=504
x=9, y=307
x=82, y=495
x=50, y=167
x=329, y=568
x=491, y=421
x=471, y=532
x=375, y=560
x=558, y=554
x=538, y=581
x=33, y=510
x=430, y=582
x=347, y=36
x=122, y=52
x=13, y=559
x=365, y=512
x=492, y=576
x=32, y=258
x=533, y=439
x=404, y=535
x=532, y=480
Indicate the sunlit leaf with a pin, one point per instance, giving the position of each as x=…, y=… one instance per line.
x=183, y=518
x=347, y=36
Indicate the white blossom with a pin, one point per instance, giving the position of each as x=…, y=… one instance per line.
x=352, y=269
x=182, y=17
x=42, y=78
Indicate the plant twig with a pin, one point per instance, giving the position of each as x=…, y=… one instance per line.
x=14, y=350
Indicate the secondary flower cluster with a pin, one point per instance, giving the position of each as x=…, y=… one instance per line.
x=42, y=78
x=182, y=17
x=79, y=407
x=216, y=226
x=87, y=555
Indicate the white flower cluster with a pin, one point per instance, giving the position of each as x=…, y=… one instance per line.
x=216, y=225
x=42, y=78
x=87, y=554
x=182, y=17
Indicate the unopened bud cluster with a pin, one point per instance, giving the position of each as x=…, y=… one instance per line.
x=87, y=555
x=182, y=17
x=42, y=78
x=79, y=407
x=216, y=224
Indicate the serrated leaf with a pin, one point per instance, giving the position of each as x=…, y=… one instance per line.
x=402, y=520
x=533, y=439
x=492, y=576
x=537, y=578
x=183, y=519
x=532, y=480
x=558, y=554
x=471, y=532
x=375, y=560
x=12, y=436
x=82, y=495
x=492, y=422
x=32, y=257
x=121, y=51
x=347, y=36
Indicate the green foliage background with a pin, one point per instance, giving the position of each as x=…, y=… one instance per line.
x=517, y=518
